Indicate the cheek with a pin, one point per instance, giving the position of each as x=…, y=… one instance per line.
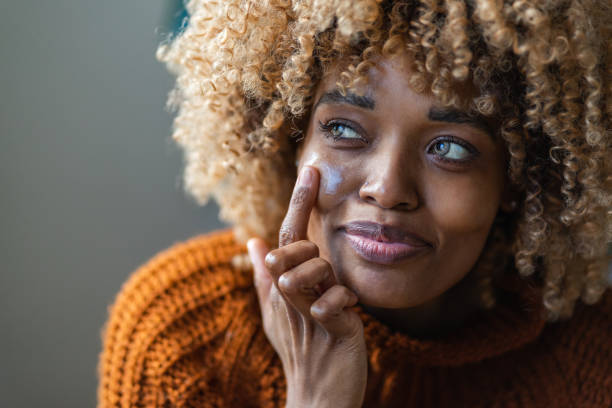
x=335, y=183
x=338, y=180
x=463, y=205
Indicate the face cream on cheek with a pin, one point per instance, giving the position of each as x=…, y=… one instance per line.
x=331, y=177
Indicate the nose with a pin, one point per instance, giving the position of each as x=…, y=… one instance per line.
x=390, y=183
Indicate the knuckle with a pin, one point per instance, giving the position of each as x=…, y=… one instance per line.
x=288, y=284
x=274, y=261
x=321, y=311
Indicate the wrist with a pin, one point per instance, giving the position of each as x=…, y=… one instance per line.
x=308, y=400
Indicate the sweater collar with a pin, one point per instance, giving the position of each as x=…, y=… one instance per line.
x=516, y=320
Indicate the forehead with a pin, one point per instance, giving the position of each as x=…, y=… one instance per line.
x=389, y=75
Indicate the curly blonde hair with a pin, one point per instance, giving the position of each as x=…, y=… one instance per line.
x=247, y=71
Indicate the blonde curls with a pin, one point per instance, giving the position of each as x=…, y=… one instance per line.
x=247, y=70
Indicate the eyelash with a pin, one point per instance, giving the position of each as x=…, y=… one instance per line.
x=327, y=128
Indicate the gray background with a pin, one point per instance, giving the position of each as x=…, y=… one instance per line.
x=90, y=184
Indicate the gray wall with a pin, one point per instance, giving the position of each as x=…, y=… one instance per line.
x=90, y=184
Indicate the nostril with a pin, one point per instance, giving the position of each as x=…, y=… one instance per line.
x=389, y=193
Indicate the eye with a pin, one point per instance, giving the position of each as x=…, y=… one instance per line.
x=340, y=131
x=451, y=149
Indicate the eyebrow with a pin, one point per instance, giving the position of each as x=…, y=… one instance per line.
x=336, y=97
x=436, y=114
x=450, y=115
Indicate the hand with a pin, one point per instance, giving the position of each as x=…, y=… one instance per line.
x=319, y=341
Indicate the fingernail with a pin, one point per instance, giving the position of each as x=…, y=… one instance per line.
x=305, y=176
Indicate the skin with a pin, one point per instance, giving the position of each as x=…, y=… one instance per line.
x=380, y=161
x=305, y=312
x=393, y=179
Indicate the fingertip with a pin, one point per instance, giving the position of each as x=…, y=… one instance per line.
x=249, y=243
x=262, y=280
x=257, y=250
x=251, y=248
x=312, y=169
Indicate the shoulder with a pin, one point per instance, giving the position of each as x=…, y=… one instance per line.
x=569, y=364
x=589, y=327
x=173, y=316
x=580, y=348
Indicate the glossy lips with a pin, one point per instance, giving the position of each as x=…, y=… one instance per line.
x=383, y=244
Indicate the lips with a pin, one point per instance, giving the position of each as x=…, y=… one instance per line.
x=383, y=244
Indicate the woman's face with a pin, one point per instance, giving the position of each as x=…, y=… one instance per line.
x=408, y=190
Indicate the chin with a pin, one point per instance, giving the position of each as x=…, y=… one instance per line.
x=386, y=287
x=385, y=302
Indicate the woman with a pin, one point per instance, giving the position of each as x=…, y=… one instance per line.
x=427, y=194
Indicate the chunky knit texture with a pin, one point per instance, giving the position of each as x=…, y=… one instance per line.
x=185, y=331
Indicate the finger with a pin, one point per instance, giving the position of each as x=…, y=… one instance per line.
x=304, y=196
x=280, y=260
x=299, y=285
x=261, y=276
x=271, y=299
x=329, y=311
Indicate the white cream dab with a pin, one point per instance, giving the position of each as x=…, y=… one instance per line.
x=332, y=179
x=330, y=176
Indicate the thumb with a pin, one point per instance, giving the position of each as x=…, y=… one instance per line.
x=261, y=277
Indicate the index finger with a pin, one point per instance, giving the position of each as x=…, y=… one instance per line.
x=295, y=224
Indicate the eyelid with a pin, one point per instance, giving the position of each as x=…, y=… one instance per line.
x=328, y=125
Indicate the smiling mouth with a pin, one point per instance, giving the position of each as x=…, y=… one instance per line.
x=382, y=244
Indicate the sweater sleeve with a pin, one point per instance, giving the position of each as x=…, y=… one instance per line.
x=167, y=322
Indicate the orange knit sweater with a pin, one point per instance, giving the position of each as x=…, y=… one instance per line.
x=185, y=331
